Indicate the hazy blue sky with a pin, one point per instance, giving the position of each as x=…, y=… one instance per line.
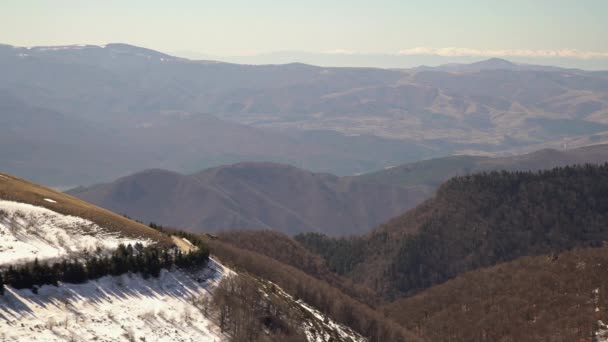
x=231, y=27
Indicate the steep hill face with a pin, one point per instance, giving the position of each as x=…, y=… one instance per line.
x=473, y=222
x=253, y=195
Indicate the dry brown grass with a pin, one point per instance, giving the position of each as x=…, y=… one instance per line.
x=20, y=190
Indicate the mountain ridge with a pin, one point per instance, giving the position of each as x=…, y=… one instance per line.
x=338, y=120
x=252, y=195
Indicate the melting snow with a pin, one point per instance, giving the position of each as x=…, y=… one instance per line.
x=50, y=200
x=28, y=232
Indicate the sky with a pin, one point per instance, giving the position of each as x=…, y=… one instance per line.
x=565, y=30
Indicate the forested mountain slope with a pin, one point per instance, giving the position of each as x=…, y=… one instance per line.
x=558, y=297
x=473, y=222
x=329, y=300
x=286, y=250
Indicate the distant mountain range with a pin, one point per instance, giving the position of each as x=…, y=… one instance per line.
x=148, y=109
x=346, y=58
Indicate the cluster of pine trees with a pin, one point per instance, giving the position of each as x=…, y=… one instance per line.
x=147, y=261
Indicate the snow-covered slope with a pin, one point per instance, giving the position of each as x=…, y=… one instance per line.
x=124, y=308
x=28, y=232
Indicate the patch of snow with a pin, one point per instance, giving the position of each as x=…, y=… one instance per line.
x=50, y=200
x=28, y=232
x=602, y=334
x=121, y=308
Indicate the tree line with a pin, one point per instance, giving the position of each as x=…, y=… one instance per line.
x=147, y=261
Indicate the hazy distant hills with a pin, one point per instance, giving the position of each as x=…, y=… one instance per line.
x=186, y=115
x=492, y=64
x=433, y=172
x=253, y=195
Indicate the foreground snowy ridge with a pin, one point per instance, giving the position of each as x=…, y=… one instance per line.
x=28, y=232
x=114, y=308
x=123, y=308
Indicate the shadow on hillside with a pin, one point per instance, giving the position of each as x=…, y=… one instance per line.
x=181, y=285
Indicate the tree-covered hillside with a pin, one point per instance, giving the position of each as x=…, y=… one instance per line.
x=477, y=221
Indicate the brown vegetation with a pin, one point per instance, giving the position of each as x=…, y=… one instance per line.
x=245, y=312
x=286, y=250
x=478, y=221
x=319, y=294
x=542, y=298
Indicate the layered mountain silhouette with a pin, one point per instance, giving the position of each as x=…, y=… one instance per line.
x=155, y=110
x=431, y=173
x=257, y=195
x=253, y=195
